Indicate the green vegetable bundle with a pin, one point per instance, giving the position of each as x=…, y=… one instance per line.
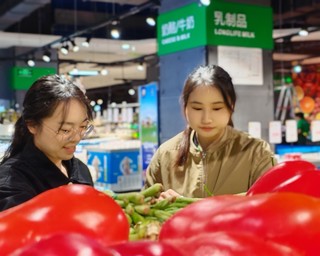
x=146, y=213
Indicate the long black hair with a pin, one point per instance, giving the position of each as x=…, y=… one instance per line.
x=213, y=76
x=40, y=102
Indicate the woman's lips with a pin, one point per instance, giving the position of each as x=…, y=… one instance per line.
x=70, y=150
x=207, y=129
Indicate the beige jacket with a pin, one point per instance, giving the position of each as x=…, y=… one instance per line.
x=230, y=166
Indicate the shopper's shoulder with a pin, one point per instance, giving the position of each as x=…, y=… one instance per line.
x=244, y=139
x=172, y=143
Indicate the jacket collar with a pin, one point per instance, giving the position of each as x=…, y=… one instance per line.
x=46, y=168
x=195, y=147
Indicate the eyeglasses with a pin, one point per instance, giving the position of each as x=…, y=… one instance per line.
x=68, y=134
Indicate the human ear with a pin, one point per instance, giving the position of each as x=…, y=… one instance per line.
x=33, y=129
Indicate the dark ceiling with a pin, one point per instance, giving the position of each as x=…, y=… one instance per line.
x=61, y=17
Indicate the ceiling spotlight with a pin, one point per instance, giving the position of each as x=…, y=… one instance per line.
x=87, y=42
x=140, y=67
x=131, y=92
x=46, y=57
x=31, y=62
x=297, y=68
x=205, y=2
x=303, y=32
x=104, y=72
x=64, y=49
x=115, y=33
x=75, y=70
x=151, y=21
x=75, y=48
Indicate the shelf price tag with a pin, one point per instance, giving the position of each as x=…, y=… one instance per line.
x=254, y=129
x=275, y=132
x=315, y=130
x=291, y=131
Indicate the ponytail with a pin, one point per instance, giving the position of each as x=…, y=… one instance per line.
x=184, y=148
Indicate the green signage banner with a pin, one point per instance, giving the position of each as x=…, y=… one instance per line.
x=181, y=29
x=234, y=24
x=221, y=23
x=23, y=77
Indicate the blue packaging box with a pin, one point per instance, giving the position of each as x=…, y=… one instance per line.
x=116, y=170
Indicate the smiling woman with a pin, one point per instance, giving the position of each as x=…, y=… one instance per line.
x=56, y=116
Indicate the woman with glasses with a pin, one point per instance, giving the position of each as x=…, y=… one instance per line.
x=56, y=116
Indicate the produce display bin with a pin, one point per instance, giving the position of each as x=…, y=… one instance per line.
x=117, y=169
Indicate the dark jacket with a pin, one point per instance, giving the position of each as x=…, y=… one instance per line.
x=30, y=173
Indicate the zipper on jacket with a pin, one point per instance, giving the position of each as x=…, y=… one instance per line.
x=204, y=178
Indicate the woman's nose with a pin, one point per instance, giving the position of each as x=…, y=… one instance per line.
x=206, y=117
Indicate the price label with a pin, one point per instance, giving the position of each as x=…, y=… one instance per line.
x=291, y=131
x=275, y=132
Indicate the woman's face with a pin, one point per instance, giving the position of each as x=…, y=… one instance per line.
x=58, y=147
x=207, y=114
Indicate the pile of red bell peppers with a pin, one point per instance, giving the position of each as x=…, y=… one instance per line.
x=279, y=215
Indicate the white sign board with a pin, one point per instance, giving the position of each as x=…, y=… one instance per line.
x=243, y=64
x=254, y=129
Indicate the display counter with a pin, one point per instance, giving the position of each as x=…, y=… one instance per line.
x=309, y=153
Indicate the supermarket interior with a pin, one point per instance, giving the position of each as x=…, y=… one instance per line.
x=131, y=58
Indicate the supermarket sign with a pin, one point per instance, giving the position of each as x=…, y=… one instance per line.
x=23, y=77
x=221, y=23
x=181, y=29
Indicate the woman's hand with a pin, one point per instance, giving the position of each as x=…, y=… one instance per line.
x=168, y=193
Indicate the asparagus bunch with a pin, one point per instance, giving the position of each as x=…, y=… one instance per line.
x=146, y=213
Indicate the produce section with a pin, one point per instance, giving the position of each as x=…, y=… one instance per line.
x=146, y=213
x=279, y=215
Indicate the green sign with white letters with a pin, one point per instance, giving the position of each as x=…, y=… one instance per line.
x=221, y=23
x=23, y=77
x=244, y=25
x=181, y=29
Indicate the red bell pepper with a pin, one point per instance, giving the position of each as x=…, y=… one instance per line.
x=230, y=243
x=71, y=208
x=290, y=176
x=145, y=248
x=291, y=219
x=71, y=244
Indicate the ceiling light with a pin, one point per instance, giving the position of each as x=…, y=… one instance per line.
x=205, y=2
x=297, y=68
x=131, y=92
x=100, y=101
x=31, y=62
x=303, y=32
x=64, y=49
x=125, y=46
x=87, y=42
x=140, y=67
x=115, y=33
x=77, y=72
x=46, y=57
x=151, y=21
x=104, y=72
x=75, y=48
